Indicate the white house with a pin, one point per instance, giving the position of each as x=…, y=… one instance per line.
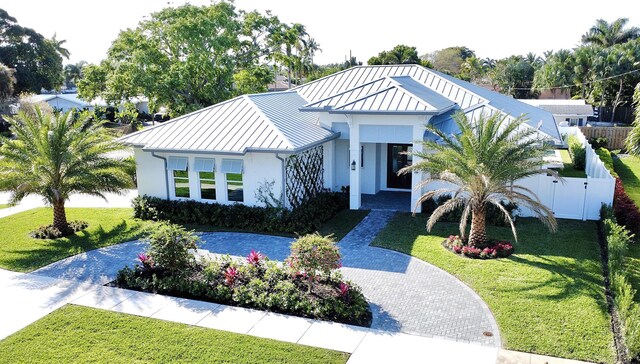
x=347, y=129
x=565, y=112
x=62, y=102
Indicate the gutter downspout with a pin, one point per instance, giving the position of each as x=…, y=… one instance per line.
x=166, y=176
x=284, y=184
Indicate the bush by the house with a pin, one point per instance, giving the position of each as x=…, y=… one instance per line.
x=577, y=152
x=255, y=282
x=494, y=216
x=315, y=256
x=305, y=219
x=606, y=158
x=491, y=250
x=625, y=210
x=172, y=247
x=51, y=232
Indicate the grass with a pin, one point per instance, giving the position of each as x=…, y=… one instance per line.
x=339, y=225
x=548, y=298
x=3, y=206
x=86, y=335
x=20, y=252
x=569, y=170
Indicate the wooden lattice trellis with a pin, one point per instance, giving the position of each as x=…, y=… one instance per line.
x=304, y=175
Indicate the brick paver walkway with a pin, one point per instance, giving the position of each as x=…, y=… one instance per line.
x=406, y=294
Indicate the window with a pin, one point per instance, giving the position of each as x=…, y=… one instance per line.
x=180, y=173
x=206, y=174
x=235, y=191
x=232, y=168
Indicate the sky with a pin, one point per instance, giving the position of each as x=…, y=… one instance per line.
x=491, y=28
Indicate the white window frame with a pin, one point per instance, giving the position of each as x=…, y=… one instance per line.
x=178, y=164
x=206, y=165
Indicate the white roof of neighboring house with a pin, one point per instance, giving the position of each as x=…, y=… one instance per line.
x=67, y=97
x=288, y=121
x=563, y=107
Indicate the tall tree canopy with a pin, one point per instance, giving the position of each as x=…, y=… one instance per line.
x=400, y=54
x=514, y=76
x=557, y=72
x=7, y=82
x=606, y=34
x=36, y=59
x=190, y=57
x=450, y=60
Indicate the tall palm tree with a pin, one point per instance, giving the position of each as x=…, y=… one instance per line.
x=606, y=34
x=57, y=44
x=480, y=166
x=55, y=156
x=633, y=139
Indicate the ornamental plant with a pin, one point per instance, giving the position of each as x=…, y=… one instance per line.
x=172, y=247
x=315, y=256
x=254, y=258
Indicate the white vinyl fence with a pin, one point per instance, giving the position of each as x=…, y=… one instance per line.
x=574, y=198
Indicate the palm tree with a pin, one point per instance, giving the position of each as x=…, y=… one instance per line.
x=606, y=34
x=633, y=139
x=57, y=44
x=480, y=166
x=55, y=156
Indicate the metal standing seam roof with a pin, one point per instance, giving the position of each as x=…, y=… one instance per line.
x=269, y=121
x=581, y=110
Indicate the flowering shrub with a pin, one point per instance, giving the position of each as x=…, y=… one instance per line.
x=495, y=249
x=256, y=282
x=315, y=256
x=625, y=210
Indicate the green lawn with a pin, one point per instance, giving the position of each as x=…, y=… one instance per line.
x=568, y=170
x=548, y=297
x=339, y=225
x=75, y=334
x=20, y=252
x=3, y=206
x=628, y=168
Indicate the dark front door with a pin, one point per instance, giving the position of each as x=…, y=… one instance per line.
x=398, y=158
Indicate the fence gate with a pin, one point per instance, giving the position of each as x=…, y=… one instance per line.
x=569, y=198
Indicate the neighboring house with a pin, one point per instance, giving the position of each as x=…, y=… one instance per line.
x=62, y=102
x=280, y=84
x=141, y=103
x=351, y=128
x=565, y=112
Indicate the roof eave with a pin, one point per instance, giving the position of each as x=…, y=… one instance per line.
x=383, y=112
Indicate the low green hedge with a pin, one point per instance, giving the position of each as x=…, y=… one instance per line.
x=305, y=219
x=577, y=152
x=607, y=159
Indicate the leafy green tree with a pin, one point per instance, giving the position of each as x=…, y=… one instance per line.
x=557, y=72
x=450, y=60
x=58, y=46
x=184, y=58
x=514, y=76
x=7, y=82
x=633, y=139
x=605, y=34
x=54, y=156
x=253, y=80
x=36, y=60
x=400, y=54
x=73, y=73
x=482, y=164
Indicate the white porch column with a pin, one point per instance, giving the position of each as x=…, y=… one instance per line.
x=354, y=174
x=416, y=176
x=329, y=164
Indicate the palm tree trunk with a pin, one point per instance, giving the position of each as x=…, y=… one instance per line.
x=60, y=216
x=478, y=234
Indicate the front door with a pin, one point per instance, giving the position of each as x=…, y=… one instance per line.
x=398, y=157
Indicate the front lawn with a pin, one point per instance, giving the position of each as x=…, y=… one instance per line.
x=548, y=297
x=628, y=168
x=3, y=206
x=20, y=252
x=75, y=334
x=569, y=170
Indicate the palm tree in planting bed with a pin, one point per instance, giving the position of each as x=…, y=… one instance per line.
x=54, y=156
x=480, y=165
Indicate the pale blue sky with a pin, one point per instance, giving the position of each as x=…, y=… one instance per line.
x=492, y=28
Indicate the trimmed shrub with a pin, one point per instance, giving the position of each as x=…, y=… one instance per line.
x=606, y=158
x=493, y=249
x=618, y=239
x=172, y=247
x=494, y=216
x=625, y=210
x=305, y=219
x=598, y=142
x=577, y=152
x=314, y=256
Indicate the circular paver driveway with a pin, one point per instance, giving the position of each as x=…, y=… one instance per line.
x=406, y=294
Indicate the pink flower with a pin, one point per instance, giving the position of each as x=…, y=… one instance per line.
x=254, y=257
x=230, y=276
x=344, y=289
x=146, y=260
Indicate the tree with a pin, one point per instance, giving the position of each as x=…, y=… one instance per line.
x=607, y=34
x=400, y=54
x=557, y=73
x=37, y=63
x=482, y=163
x=633, y=139
x=73, y=74
x=514, y=76
x=7, y=82
x=57, y=45
x=450, y=60
x=184, y=58
x=54, y=156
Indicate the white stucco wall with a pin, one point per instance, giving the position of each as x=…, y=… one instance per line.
x=257, y=168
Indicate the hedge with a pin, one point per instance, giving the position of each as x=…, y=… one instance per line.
x=305, y=219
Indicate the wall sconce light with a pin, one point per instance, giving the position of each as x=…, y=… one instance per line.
x=353, y=165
